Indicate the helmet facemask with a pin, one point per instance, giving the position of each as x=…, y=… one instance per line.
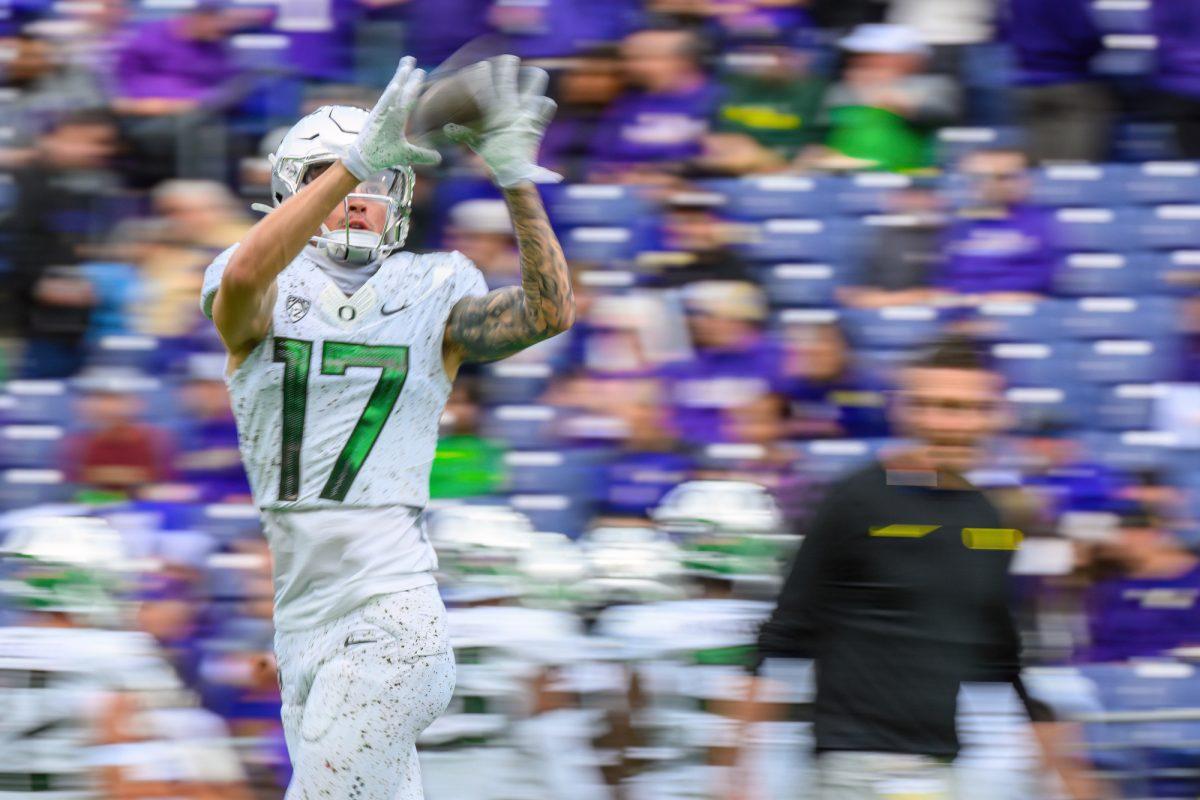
x=390, y=188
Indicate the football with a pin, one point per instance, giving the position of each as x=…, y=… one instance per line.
x=449, y=96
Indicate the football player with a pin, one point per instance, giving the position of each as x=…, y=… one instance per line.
x=342, y=349
x=72, y=676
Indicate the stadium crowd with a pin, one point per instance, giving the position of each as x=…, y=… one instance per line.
x=769, y=205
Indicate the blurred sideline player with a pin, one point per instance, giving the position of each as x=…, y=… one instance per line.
x=91, y=708
x=899, y=595
x=342, y=349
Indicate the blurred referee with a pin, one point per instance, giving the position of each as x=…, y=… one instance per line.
x=899, y=594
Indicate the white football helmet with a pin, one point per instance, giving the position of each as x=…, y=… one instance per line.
x=74, y=565
x=314, y=143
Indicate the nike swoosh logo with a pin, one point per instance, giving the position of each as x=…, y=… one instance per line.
x=441, y=275
x=362, y=637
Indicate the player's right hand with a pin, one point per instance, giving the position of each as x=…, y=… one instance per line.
x=381, y=143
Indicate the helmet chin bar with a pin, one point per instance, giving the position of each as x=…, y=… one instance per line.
x=360, y=247
x=353, y=247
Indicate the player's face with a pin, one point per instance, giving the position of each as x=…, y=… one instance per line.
x=356, y=213
x=952, y=412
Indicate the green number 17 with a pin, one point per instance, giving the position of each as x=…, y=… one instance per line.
x=336, y=357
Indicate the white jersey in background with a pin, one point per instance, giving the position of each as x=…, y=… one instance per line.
x=53, y=685
x=337, y=412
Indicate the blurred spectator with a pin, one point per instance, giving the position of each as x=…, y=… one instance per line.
x=177, y=64
x=619, y=334
x=117, y=453
x=734, y=362
x=886, y=106
x=1176, y=26
x=115, y=280
x=780, y=467
x=998, y=246
x=828, y=395
x=88, y=36
x=554, y=28
x=1152, y=488
x=780, y=22
x=960, y=35
x=1188, y=327
x=64, y=205
x=26, y=63
x=173, y=76
x=169, y=606
x=482, y=231
x=945, y=25
x=466, y=464
x=1147, y=605
x=585, y=89
x=1065, y=109
x=659, y=123
x=45, y=88
x=59, y=309
x=842, y=15
x=1055, y=466
x=771, y=94
x=904, y=256
x=320, y=37
x=695, y=243
x=678, y=13
x=195, y=220
x=208, y=458
x=760, y=452
x=437, y=28
x=238, y=672
x=735, y=154
x=649, y=462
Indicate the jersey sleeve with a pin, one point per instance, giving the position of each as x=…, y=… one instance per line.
x=212, y=280
x=794, y=626
x=468, y=279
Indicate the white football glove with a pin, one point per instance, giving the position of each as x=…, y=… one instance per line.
x=381, y=143
x=515, y=116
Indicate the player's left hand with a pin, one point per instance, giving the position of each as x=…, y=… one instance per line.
x=515, y=115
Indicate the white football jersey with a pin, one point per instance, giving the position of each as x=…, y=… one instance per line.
x=53, y=682
x=339, y=405
x=337, y=412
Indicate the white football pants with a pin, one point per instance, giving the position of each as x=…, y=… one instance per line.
x=357, y=691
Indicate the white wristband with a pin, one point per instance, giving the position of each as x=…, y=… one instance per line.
x=352, y=160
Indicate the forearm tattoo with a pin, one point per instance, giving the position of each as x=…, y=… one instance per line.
x=508, y=320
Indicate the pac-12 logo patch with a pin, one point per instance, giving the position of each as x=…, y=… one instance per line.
x=297, y=307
